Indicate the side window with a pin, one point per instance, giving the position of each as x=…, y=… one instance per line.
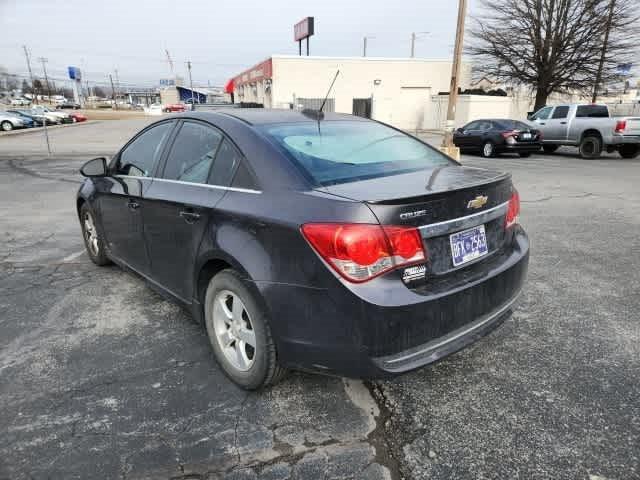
x=243, y=177
x=592, y=111
x=485, y=126
x=561, y=112
x=472, y=126
x=141, y=156
x=225, y=165
x=192, y=153
x=542, y=114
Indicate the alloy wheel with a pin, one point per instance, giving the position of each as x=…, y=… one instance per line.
x=487, y=150
x=234, y=330
x=91, y=234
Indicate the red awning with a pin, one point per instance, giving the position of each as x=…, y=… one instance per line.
x=228, y=88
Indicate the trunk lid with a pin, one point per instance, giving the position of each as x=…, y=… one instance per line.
x=633, y=126
x=454, y=198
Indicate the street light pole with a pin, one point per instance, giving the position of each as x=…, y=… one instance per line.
x=193, y=107
x=364, y=45
x=46, y=79
x=447, y=141
x=414, y=35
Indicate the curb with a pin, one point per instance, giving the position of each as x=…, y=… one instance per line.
x=24, y=131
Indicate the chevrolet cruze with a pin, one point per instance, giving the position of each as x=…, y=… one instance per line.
x=302, y=240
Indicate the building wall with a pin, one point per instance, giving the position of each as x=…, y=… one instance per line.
x=400, y=89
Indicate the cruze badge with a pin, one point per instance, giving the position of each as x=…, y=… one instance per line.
x=408, y=215
x=478, y=202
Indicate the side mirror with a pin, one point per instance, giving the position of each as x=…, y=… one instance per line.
x=95, y=168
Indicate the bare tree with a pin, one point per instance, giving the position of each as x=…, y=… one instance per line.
x=554, y=46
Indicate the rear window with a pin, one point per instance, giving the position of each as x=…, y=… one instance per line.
x=592, y=111
x=512, y=125
x=346, y=151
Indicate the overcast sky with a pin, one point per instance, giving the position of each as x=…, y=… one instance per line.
x=221, y=37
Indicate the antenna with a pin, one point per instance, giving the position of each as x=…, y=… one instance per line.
x=329, y=91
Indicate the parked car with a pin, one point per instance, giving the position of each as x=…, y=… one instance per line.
x=27, y=122
x=490, y=137
x=67, y=104
x=588, y=127
x=57, y=117
x=9, y=121
x=323, y=242
x=20, y=101
x=77, y=117
x=38, y=120
x=174, y=107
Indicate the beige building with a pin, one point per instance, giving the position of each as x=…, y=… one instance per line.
x=398, y=91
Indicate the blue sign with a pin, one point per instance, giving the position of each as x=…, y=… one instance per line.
x=74, y=73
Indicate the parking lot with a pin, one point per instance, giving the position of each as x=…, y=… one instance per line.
x=102, y=378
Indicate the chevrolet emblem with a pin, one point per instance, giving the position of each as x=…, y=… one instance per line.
x=478, y=202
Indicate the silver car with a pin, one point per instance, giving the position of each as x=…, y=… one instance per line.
x=8, y=122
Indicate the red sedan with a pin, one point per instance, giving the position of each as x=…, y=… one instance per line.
x=174, y=107
x=78, y=117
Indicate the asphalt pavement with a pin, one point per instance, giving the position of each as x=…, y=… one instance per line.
x=102, y=378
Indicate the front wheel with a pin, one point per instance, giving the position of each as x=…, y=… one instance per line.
x=629, y=151
x=92, y=239
x=6, y=126
x=590, y=147
x=239, y=333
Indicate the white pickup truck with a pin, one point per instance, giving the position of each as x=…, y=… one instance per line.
x=588, y=127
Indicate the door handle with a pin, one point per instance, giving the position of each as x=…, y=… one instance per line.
x=133, y=205
x=563, y=123
x=190, y=217
x=542, y=123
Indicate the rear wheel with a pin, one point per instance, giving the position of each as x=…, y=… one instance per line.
x=590, y=147
x=524, y=154
x=549, y=148
x=6, y=126
x=488, y=150
x=629, y=151
x=239, y=333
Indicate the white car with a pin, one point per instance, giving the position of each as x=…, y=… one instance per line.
x=20, y=101
x=53, y=115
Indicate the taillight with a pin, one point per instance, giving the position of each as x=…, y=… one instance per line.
x=621, y=126
x=360, y=252
x=513, y=210
x=511, y=133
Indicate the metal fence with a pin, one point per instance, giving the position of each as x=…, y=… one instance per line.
x=624, y=109
x=315, y=103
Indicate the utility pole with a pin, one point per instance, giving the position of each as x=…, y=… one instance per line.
x=413, y=41
x=193, y=107
x=364, y=45
x=113, y=92
x=117, y=85
x=447, y=141
x=46, y=79
x=605, y=42
x=28, y=57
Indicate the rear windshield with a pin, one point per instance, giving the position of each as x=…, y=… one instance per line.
x=346, y=151
x=513, y=125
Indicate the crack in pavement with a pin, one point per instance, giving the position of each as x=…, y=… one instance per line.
x=27, y=171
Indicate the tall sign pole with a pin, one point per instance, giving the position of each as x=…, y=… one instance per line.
x=193, y=106
x=447, y=141
x=302, y=31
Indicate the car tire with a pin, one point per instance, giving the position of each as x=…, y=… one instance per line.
x=590, y=147
x=93, y=240
x=488, y=150
x=6, y=126
x=167, y=110
x=233, y=313
x=549, y=148
x=629, y=151
x=524, y=154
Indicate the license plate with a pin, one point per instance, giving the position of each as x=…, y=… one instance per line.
x=468, y=245
x=526, y=136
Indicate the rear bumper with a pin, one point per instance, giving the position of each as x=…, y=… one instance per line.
x=383, y=328
x=625, y=139
x=519, y=148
